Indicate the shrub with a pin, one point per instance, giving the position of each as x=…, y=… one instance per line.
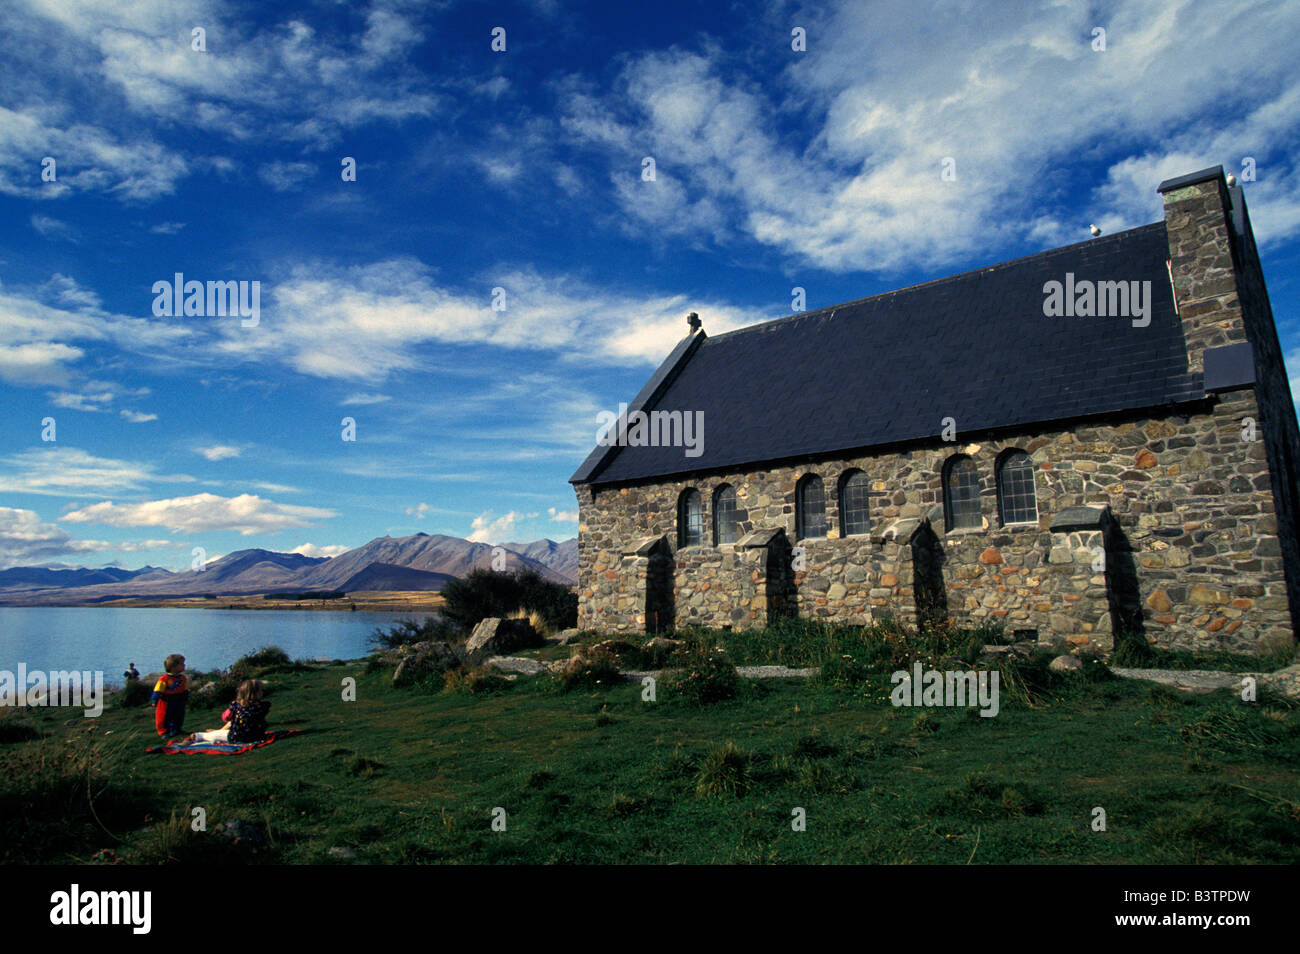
x=1235, y=725
x=484, y=593
x=724, y=771
x=134, y=694
x=14, y=728
x=535, y=620
x=474, y=682
x=708, y=677
x=925, y=723
x=407, y=632
x=598, y=670
x=225, y=685
x=264, y=657
x=1133, y=651
x=983, y=796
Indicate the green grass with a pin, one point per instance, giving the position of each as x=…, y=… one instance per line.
x=596, y=775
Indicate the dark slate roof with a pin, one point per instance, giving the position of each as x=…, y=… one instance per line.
x=887, y=369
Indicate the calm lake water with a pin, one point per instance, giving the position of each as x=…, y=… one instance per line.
x=107, y=638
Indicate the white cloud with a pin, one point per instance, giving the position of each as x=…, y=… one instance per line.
x=167, y=228
x=363, y=323
x=219, y=452
x=44, y=333
x=1016, y=100
x=246, y=514
x=54, y=228
x=562, y=516
x=361, y=399
x=283, y=81
x=487, y=530
x=418, y=511
x=87, y=159
x=26, y=540
x=58, y=471
x=311, y=550
x=82, y=401
x=285, y=176
x=137, y=417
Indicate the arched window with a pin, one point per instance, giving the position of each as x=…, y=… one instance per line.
x=853, y=503
x=725, y=526
x=810, y=507
x=690, y=521
x=961, y=493
x=1017, y=501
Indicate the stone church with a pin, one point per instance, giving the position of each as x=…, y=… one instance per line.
x=1092, y=439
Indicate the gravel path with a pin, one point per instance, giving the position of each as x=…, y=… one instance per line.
x=1285, y=681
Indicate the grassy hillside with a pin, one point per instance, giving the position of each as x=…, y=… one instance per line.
x=413, y=775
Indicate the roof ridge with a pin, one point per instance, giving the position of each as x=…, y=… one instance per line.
x=983, y=269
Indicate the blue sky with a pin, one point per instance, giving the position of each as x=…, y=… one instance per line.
x=522, y=170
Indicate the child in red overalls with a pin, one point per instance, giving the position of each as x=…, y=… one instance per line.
x=170, y=695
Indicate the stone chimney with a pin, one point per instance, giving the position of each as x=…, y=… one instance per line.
x=1203, y=261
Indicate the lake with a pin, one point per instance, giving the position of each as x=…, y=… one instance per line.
x=107, y=638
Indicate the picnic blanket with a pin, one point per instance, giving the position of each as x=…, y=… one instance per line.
x=175, y=747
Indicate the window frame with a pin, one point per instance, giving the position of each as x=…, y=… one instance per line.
x=1005, y=458
x=800, y=506
x=683, y=518
x=846, y=478
x=718, y=496
x=949, y=510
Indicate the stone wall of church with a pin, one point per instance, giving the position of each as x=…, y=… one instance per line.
x=1194, y=533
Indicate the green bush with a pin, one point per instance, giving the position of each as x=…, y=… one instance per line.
x=708, y=676
x=474, y=682
x=484, y=593
x=587, y=672
x=134, y=694
x=407, y=632
x=726, y=770
x=14, y=728
x=266, y=656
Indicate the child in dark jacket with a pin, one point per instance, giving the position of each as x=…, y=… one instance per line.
x=245, y=719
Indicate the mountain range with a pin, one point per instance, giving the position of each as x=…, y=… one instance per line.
x=418, y=562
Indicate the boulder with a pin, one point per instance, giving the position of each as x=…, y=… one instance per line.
x=500, y=637
x=240, y=832
x=424, y=659
x=567, y=636
x=1066, y=664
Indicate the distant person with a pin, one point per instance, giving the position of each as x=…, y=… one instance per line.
x=170, y=694
x=131, y=674
x=245, y=719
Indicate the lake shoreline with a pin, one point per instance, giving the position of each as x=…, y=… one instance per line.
x=106, y=638
x=380, y=601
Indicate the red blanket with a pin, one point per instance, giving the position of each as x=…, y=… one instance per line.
x=176, y=747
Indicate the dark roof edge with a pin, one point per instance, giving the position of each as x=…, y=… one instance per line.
x=1099, y=418
x=1192, y=178
x=600, y=456
x=830, y=309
